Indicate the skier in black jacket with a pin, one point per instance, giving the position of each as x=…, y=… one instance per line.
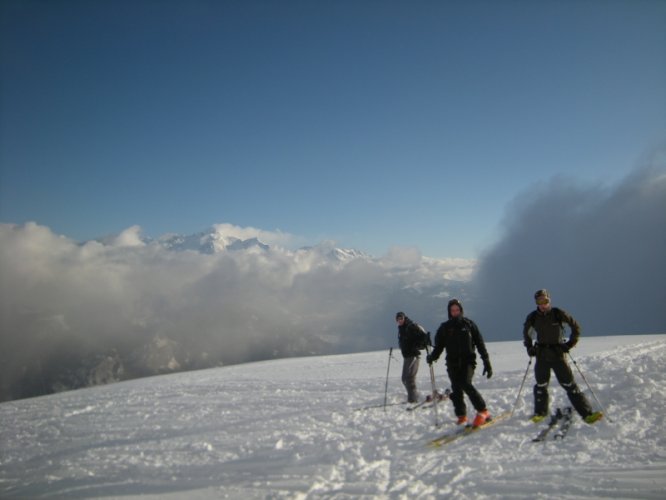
x=411, y=339
x=460, y=336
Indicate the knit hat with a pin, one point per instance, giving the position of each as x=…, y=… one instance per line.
x=399, y=315
x=541, y=294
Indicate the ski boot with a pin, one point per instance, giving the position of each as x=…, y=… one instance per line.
x=593, y=417
x=481, y=418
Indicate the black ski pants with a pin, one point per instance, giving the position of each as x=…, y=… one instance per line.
x=461, y=384
x=552, y=358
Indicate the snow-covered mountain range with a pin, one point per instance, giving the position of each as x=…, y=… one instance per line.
x=216, y=240
x=209, y=242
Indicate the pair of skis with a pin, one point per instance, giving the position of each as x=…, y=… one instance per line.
x=428, y=402
x=560, y=421
x=381, y=405
x=466, y=430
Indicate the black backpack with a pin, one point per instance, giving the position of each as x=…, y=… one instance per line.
x=423, y=339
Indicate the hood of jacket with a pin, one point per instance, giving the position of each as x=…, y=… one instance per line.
x=455, y=302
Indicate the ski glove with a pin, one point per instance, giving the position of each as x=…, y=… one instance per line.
x=487, y=369
x=429, y=359
x=567, y=346
x=531, y=351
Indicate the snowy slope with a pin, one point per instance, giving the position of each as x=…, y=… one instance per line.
x=291, y=429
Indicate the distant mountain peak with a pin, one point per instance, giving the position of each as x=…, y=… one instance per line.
x=215, y=241
x=209, y=242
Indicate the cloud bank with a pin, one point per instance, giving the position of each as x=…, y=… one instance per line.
x=74, y=314
x=600, y=251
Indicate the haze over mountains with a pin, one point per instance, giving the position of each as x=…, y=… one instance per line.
x=126, y=306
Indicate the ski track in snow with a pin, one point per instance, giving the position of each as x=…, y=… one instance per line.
x=292, y=429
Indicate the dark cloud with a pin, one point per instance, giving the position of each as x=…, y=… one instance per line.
x=600, y=251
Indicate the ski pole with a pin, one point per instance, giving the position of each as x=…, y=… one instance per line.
x=434, y=389
x=387, y=376
x=590, y=388
x=521, y=387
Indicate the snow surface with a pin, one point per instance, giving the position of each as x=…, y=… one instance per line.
x=292, y=429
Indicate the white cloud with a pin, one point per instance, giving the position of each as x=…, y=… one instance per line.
x=401, y=256
x=272, y=238
x=59, y=298
x=130, y=237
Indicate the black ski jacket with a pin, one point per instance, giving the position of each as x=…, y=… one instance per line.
x=459, y=336
x=411, y=338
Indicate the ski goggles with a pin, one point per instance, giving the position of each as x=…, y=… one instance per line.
x=542, y=301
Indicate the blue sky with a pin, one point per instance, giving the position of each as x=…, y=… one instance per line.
x=370, y=123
